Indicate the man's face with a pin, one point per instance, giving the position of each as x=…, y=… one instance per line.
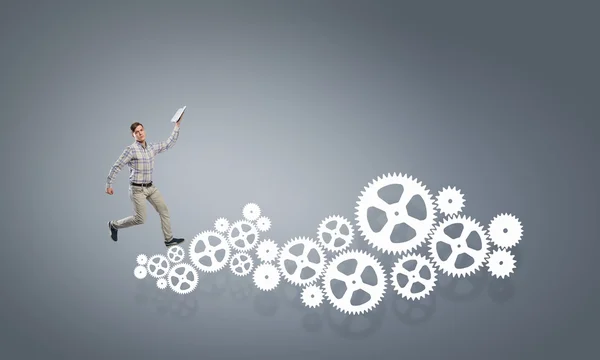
x=139, y=134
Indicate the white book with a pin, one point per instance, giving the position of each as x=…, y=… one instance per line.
x=178, y=114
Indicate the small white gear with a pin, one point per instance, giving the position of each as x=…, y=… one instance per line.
x=354, y=281
x=221, y=225
x=501, y=263
x=251, y=212
x=505, y=230
x=214, y=252
x=161, y=283
x=179, y=278
x=312, y=296
x=263, y=223
x=311, y=257
x=413, y=275
x=267, y=251
x=450, y=201
x=241, y=264
x=158, y=266
x=266, y=277
x=141, y=259
x=335, y=233
x=176, y=254
x=395, y=213
x=243, y=236
x=459, y=246
x=140, y=272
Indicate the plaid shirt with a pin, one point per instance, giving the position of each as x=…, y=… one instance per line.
x=140, y=160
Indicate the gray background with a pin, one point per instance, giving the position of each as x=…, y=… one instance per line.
x=295, y=106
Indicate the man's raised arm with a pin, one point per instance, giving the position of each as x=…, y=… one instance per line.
x=125, y=157
x=169, y=143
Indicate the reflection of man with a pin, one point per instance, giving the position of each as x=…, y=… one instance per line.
x=139, y=156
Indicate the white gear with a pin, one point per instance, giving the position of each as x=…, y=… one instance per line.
x=158, y=266
x=243, y=236
x=251, y=212
x=267, y=251
x=221, y=225
x=161, y=283
x=141, y=259
x=505, y=231
x=179, y=280
x=355, y=281
x=396, y=213
x=176, y=254
x=140, y=272
x=266, y=277
x=450, y=201
x=302, y=261
x=501, y=263
x=459, y=246
x=263, y=223
x=241, y=264
x=312, y=296
x=413, y=276
x=217, y=254
x=329, y=236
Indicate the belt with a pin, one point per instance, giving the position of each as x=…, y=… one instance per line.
x=142, y=185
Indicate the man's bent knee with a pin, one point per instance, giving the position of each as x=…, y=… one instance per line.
x=138, y=220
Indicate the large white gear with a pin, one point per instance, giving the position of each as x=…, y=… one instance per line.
x=413, y=276
x=179, y=280
x=158, y=266
x=267, y=251
x=302, y=261
x=140, y=272
x=243, y=236
x=161, y=283
x=176, y=254
x=312, y=296
x=263, y=223
x=221, y=225
x=217, y=254
x=459, y=246
x=450, y=201
x=266, y=277
x=505, y=230
x=141, y=259
x=338, y=237
x=354, y=281
x=501, y=263
x=251, y=212
x=241, y=264
x=395, y=213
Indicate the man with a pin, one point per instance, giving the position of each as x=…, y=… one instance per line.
x=139, y=156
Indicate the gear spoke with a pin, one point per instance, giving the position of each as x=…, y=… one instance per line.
x=380, y=204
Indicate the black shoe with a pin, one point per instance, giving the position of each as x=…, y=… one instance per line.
x=173, y=241
x=113, y=231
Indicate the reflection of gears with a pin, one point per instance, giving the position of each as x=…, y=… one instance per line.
x=335, y=233
x=414, y=312
x=267, y=251
x=161, y=283
x=179, y=278
x=241, y=264
x=397, y=216
x=251, y=212
x=263, y=223
x=410, y=271
x=301, y=261
x=141, y=259
x=450, y=201
x=266, y=277
x=354, y=280
x=209, y=251
x=176, y=253
x=442, y=242
x=140, y=272
x=221, y=225
x=501, y=263
x=505, y=231
x=158, y=266
x=312, y=296
x=243, y=235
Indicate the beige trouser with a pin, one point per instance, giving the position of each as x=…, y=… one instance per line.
x=138, y=196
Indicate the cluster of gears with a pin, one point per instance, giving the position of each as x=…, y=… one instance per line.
x=324, y=264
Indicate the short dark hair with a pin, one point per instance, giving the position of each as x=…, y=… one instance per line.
x=134, y=126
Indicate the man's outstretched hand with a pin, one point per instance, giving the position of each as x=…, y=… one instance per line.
x=110, y=191
x=181, y=117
